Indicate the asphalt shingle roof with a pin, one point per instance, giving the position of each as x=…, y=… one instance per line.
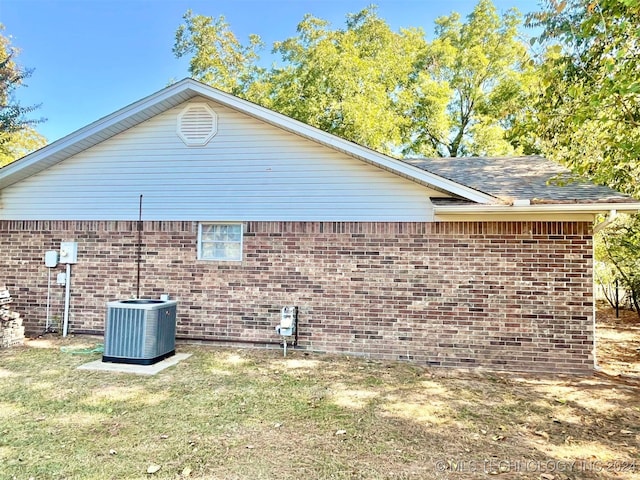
x=531, y=178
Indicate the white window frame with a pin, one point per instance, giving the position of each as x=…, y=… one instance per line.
x=211, y=259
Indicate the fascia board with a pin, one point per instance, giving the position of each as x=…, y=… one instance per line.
x=73, y=143
x=523, y=210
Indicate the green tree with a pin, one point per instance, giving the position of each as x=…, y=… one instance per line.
x=587, y=115
x=17, y=135
x=351, y=82
x=618, y=250
x=474, y=79
x=218, y=58
x=18, y=144
x=345, y=81
x=390, y=91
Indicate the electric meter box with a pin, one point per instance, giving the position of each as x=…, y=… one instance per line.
x=288, y=318
x=68, y=252
x=51, y=259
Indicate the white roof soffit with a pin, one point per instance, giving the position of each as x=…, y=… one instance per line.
x=186, y=89
x=593, y=208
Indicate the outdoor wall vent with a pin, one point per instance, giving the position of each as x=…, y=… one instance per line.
x=197, y=124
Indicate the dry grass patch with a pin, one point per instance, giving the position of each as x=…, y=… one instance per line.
x=252, y=414
x=619, y=342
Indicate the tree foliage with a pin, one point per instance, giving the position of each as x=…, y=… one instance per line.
x=218, y=58
x=345, y=81
x=588, y=112
x=18, y=144
x=391, y=91
x=618, y=247
x=17, y=135
x=479, y=72
x=352, y=82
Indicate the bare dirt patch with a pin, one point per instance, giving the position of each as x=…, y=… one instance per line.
x=618, y=342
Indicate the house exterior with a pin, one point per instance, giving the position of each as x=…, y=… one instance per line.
x=477, y=263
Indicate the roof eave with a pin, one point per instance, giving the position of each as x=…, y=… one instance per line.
x=182, y=91
x=549, y=211
x=391, y=164
x=94, y=133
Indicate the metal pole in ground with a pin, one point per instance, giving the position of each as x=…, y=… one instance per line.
x=617, y=300
x=67, y=301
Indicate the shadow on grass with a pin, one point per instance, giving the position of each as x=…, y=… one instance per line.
x=226, y=413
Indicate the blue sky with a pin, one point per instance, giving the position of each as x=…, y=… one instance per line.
x=93, y=57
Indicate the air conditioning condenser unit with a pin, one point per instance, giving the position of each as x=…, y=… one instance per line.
x=139, y=331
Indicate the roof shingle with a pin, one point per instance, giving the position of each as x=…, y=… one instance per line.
x=532, y=178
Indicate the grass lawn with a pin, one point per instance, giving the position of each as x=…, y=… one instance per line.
x=227, y=413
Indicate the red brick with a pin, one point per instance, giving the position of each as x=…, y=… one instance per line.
x=513, y=295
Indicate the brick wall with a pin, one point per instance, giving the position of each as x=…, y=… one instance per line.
x=501, y=295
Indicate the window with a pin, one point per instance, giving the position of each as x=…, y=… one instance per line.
x=220, y=241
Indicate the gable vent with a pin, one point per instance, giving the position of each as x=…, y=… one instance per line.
x=197, y=124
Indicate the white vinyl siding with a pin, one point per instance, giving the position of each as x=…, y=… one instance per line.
x=249, y=170
x=220, y=241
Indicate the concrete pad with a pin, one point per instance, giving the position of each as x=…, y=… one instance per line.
x=101, y=366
